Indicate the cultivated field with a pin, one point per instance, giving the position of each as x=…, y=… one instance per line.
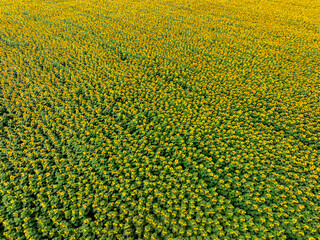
x=162, y=119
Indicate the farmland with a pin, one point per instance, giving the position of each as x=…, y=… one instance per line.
x=164, y=119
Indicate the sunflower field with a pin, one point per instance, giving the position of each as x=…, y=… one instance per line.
x=162, y=119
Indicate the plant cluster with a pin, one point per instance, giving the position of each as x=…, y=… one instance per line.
x=159, y=119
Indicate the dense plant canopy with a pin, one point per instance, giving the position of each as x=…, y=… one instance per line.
x=181, y=119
